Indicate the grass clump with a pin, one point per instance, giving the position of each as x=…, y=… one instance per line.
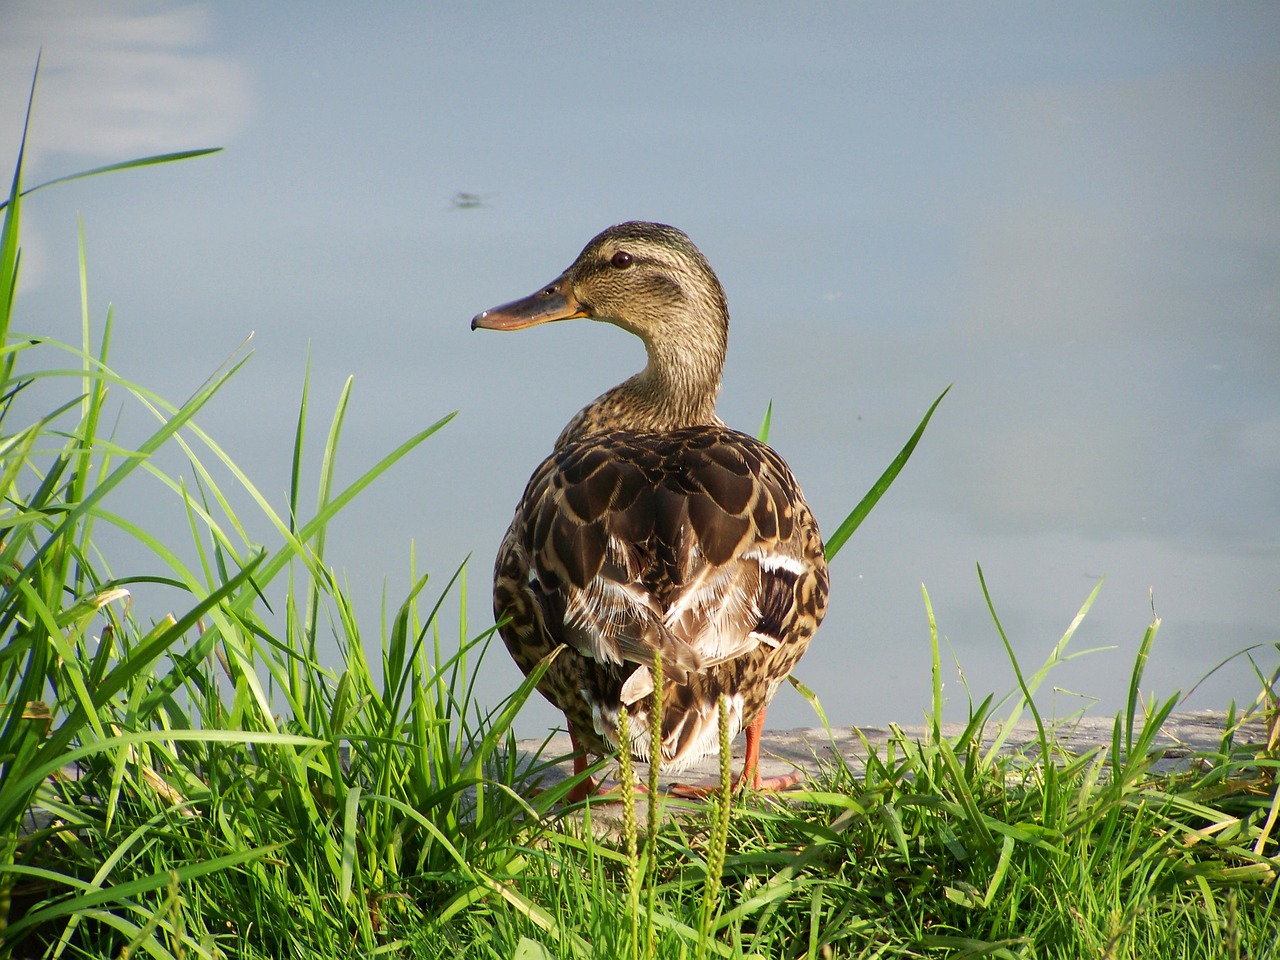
x=196, y=783
x=947, y=844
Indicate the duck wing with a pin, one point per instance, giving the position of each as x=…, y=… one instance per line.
x=694, y=543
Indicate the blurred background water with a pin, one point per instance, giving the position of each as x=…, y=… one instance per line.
x=1070, y=212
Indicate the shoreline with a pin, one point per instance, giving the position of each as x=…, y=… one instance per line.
x=1181, y=737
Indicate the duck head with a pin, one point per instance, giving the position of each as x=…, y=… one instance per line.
x=647, y=278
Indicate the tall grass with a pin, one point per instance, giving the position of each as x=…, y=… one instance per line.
x=197, y=783
x=948, y=846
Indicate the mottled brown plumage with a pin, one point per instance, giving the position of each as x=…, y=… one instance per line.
x=654, y=527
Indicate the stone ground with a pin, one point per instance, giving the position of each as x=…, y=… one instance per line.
x=806, y=749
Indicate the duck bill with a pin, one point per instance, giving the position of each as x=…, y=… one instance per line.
x=553, y=302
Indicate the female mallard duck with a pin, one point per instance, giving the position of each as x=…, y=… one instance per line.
x=654, y=527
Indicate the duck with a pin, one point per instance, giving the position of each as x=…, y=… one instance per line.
x=653, y=531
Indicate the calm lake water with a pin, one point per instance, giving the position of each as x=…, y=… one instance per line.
x=1071, y=213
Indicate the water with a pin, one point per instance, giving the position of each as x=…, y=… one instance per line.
x=1069, y=213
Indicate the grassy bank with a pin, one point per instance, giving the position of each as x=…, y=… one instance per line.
x=194, y=782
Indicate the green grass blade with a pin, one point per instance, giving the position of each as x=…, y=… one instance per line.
x=299, y=435
x=859, y=513
x=9, y=236
x=1027, y=699
x=1135, y=680
x=350, y=824
x=935, y=668
x=763, y=435
x=122, y=165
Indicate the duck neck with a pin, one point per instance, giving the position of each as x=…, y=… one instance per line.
x=681, y=381
x=678, y=388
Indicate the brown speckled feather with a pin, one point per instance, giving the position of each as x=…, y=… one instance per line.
x=696, y=542
x=652, y=526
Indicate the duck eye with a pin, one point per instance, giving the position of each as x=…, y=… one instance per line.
x=621, y=260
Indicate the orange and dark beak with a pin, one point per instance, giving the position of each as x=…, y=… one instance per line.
x=553, y=302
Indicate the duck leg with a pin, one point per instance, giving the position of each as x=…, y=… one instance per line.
x=751, y=764
x=588, y=785
x=750, y=774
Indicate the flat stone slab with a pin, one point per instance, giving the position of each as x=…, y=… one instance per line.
x=808, y=749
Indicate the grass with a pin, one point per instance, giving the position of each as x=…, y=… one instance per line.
x=207, y=788
x=941, y=846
